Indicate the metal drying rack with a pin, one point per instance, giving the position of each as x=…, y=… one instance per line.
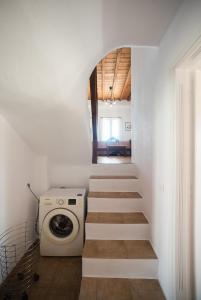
x=18, y=256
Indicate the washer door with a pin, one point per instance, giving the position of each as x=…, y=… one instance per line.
x=61, y=225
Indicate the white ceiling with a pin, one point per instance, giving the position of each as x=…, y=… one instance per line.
x=48, y=49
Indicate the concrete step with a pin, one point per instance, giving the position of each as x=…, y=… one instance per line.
x=119, y=259
x=117, y=226
x=93, y=288
x=114, y=202
x=114, y=184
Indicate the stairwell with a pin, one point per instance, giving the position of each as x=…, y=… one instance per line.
x=118, y=259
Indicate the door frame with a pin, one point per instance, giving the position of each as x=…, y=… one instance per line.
x=184, y=172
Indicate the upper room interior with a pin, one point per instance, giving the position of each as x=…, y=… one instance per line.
x=112, y=107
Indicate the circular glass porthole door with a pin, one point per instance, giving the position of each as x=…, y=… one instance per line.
x=61, y=225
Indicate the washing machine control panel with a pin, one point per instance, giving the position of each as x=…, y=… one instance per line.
x=71, y=201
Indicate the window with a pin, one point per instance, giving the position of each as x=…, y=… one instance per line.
x=110, y=128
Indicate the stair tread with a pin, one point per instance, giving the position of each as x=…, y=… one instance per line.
x=118, y=249
x=93, y=288
x=116, y=218
x=114, y=195
x=112, y=177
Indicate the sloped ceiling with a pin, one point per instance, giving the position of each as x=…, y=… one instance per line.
x=48, y=50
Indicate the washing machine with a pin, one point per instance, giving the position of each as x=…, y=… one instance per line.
x=61, y=222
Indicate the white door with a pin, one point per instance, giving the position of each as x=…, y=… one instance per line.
x=188, y=179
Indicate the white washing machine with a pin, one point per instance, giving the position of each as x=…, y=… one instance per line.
x=61, y=222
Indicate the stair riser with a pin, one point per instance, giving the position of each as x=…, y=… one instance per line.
x=114, y=185
x=120, y=268
x=114, y=169
x=115, y=205
x=117, y=231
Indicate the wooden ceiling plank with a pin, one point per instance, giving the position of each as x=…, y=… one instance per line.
x=112, y=72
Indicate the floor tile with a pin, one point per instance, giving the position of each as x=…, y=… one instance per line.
x=60, y=278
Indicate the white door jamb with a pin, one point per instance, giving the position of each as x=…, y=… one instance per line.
x=184, y=200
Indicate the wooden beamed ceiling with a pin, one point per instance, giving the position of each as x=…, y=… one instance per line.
x=114, y=70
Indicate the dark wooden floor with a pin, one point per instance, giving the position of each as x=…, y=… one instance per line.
x=60, y=278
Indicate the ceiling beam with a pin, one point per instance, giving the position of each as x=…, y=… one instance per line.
x=94, y=112
x=115, y=72
x=89, y=91
x=125, y=83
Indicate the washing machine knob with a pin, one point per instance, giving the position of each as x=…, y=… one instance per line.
x=60, y=201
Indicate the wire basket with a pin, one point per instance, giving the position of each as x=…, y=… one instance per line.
x=18, y=255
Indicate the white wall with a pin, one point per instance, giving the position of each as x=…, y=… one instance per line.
x=48, y=50
x=69, y=175
x=143, y=59
x=19, y=165
x=197, y=206
x=181, y=34
x=120, y=110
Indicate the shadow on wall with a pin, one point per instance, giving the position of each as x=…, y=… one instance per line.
x=18, y=165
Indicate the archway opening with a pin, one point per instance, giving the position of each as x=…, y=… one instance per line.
x=109, y=101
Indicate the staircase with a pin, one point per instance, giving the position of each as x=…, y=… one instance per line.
x=117, y=251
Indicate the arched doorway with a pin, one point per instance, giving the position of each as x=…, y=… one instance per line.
x=109, y=97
